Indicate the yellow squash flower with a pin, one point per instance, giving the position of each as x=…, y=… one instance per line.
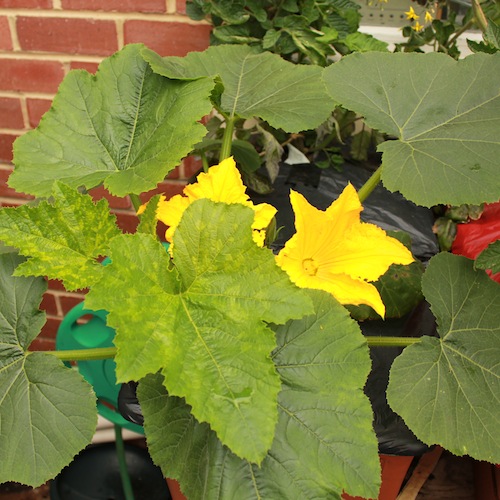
x=222, y=183
x=334, y=251
x=428, y=17
x=412, y=15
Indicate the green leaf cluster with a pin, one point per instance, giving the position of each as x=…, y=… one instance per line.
x=308, y=31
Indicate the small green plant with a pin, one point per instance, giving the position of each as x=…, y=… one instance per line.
x=250, y=376
x=427, y=31
x=302, y=31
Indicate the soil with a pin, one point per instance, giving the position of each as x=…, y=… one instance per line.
x=14, y=491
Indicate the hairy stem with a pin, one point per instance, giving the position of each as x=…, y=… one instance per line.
x=204, y=161
x=227, y=139
x=392, y=341
x=370, y=185
x=82, y=354
x=122, y=464
x=462, y=30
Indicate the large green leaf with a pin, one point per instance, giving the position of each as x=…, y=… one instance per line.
x=324, y=441
x=202, y=322
x=447, y=389
x=63, y=238
x=126, y=127
x=47, y=411
x=288, y=96
x=445, y=113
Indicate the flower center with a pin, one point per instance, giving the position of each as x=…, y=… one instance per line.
x=310, y=267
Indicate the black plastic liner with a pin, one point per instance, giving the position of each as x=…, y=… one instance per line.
x=394, y=437
x=95, y=475
x=390, y=211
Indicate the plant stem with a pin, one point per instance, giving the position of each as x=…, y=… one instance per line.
x=204, y=161
x=120, y=452
x=136, y=201
x=463, y=29
x=227, y=139
x=479, y=16
x=392, y=341
x=82, y=354
x=370, y=185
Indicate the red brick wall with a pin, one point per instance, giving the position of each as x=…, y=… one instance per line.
x=40, y=41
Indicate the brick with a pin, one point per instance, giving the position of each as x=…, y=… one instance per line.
x=5, y=38
x=55, y=285
x=91, y=67
x=114, y=201
x=49, y=330
x=191, y=167
x=127, y=222
x=69, y=36
x=180, y=6
x=43, y=344
x=36, y=109
x=26, y=4
x=168, y=39
x=161, y=230
x=6, y=191
x=6, y=142
x=11, y=115
x=175, y=173
x=69, y=301
x=49, y=304
x=30, y=75
x=116, y=5
x=169, y=189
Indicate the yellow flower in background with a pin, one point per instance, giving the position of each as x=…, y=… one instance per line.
x=428, y=17
x=412, y=15
x=222, y=183
x=334, y=251
x=417, y=26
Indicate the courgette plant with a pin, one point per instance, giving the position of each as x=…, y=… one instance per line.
x=251, y=386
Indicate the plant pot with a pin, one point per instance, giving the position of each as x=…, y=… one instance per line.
x=394, y=469
x=175, y=490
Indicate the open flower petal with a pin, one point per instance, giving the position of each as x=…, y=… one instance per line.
x=170, y=212
x=222, y=183
x=334, y=251
x=367, y=252
x=348, y=290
